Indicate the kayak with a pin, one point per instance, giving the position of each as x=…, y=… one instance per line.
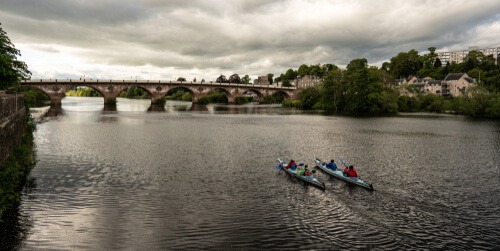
x=340, y=175
x=307, y=179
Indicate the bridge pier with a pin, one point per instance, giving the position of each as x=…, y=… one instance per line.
x=55, y=99
x=109, y=100
x=157, y=99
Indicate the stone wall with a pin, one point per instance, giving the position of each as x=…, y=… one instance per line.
x=12, y=123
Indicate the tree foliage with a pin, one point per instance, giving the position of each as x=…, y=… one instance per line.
x=12, y=70
x=235, y=78
x=221, y=79
x=405, y=64
x=246, y=79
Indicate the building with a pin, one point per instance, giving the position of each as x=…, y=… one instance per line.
x=433, y=86
x=456, y=84
x=261, y=80
x=306, y=81
x=458, y=56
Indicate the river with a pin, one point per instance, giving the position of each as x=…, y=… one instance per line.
x=184, y=177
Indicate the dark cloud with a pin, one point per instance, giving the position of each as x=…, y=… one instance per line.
x=243, y=36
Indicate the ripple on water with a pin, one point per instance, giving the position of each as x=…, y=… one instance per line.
x=198, y=180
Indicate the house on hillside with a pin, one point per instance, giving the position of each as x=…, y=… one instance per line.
x=414, y=80
x=433, y=87
x=306, y=81
x=456, y=84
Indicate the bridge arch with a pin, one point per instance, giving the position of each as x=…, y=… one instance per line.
x=110, y=89
x=179, y=93
x=282, y=93
x=131, y=91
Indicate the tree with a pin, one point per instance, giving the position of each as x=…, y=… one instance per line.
x=357, y=64
x=405, y=64
x=437, y=63
x=181, y=79
x=333, y=87
x=326, y=68
x=309, y=97
x=235, y=78
x=303, y=70
x=270, y=78
x=290, y=74
x=221, y=79
x=315, y=70
x=11, y=69
x=245, y=80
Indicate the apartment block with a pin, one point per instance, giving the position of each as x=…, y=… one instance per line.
x=458, y=56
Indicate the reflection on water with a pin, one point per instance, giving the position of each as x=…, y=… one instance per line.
x=203, y=177
x=91, y=105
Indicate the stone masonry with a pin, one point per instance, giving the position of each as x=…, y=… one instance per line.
x=12, y=123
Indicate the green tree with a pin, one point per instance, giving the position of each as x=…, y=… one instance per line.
x=303, y=70
x=333, y=87
x=290, y=74
x=245, y=80
x=326, y=68
x=309, y=97
x=12, y=70
x=315, y=70
x=405, y=64
x=270, y=78
x=357, y=64
x=437, y=63
x=182, y=79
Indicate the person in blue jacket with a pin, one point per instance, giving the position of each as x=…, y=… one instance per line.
x=332, y=165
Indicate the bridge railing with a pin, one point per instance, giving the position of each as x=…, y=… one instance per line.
x=135, y=81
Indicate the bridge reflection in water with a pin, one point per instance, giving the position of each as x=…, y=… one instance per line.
x=93, y=105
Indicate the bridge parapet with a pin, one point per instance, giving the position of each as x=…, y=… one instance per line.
x=130, y=82
x=111, y=88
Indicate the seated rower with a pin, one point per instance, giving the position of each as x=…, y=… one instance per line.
x=306, y=171
x=352, y=172
x=292, y=165
x=332, y=165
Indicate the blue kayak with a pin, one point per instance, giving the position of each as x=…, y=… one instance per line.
x=340, y=175
x=308, y=179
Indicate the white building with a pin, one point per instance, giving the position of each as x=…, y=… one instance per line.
x=458, y=56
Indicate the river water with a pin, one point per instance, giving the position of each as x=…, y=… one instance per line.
x=186, y=177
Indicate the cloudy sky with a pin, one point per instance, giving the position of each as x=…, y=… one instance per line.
x=166, y=39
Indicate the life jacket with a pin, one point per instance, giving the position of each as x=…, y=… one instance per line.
x=307, y=173
x=352, y=173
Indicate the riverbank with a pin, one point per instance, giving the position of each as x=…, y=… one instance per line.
x=17, y=149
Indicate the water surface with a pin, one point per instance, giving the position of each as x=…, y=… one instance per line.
x=187, y=177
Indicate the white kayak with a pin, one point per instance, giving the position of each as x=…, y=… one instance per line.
x=308, y=179
x=340, y=175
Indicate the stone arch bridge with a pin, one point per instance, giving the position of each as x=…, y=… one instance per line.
x=110, y=89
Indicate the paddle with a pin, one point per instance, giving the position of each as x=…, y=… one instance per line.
x=341, y=161
x=279, y=167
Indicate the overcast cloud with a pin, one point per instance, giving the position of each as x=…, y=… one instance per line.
x=156, y=39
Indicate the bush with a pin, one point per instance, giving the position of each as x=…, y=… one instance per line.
x=243, y=100
x=213, y=97
x=309, y=97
